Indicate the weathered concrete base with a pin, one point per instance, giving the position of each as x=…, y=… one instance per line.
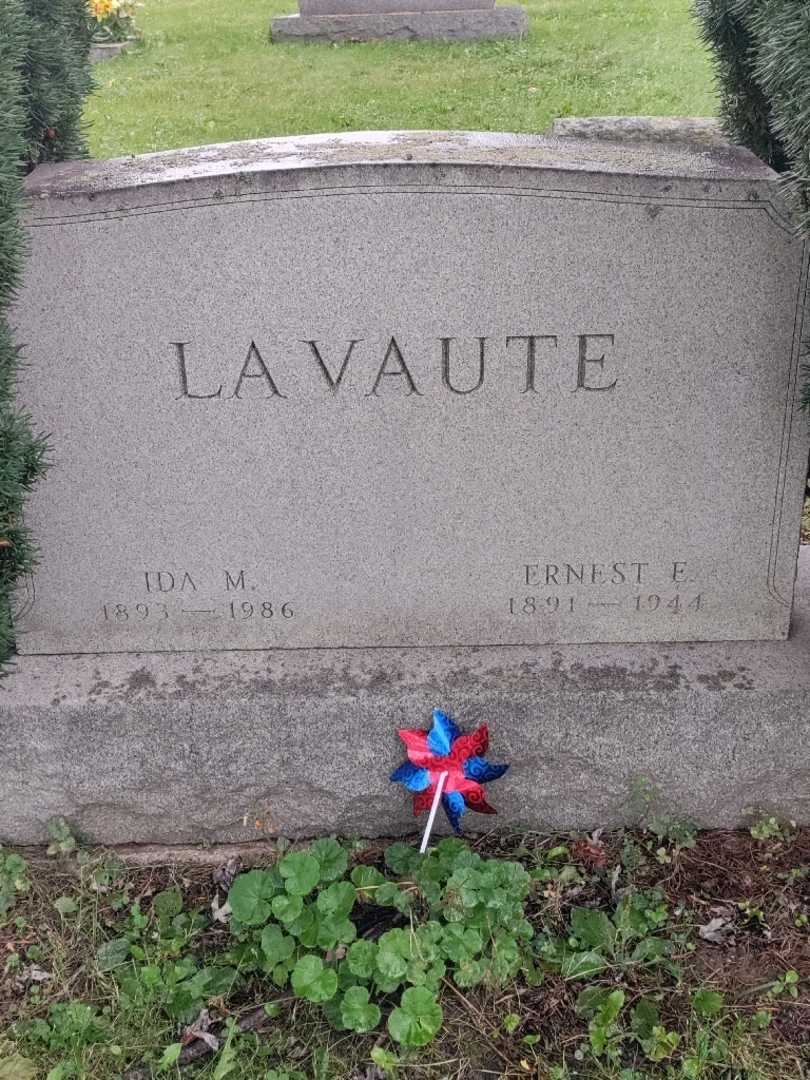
x=459, y=25
x=186, y=747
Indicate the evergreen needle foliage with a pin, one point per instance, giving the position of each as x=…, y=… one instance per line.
x=56, y=79
x=44, y=76
x=762, y=60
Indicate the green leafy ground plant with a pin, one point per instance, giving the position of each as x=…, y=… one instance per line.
x=566, y=958
x=464, y=916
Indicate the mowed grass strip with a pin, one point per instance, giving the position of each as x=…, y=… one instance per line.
x=207, y=73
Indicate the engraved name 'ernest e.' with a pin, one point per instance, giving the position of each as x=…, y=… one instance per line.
x=590, y=358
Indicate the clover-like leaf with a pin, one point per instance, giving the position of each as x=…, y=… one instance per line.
x=505, y=958
x=337, y=901
x=401, y=858
x=305, y=927
x=384, y=1060
x=422, y=972
x=417, y=1018
x=361, y=958
x=389, y=894
x=287, y=908
x=301, y=872
x=386, y=985
x=250, y=897
x=281, y=973
x=460, y=942
x=469, y=972
x=357, y=1012
x=276, y=945
x=332, y=932
x=313, y=981
x=367, y=880
x=332, y=858
x=394, y=952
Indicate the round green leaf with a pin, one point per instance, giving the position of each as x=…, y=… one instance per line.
x=281, y=974
x=301, y=873
x=390, y=964
x=505, y=959
x=361, y=957
x=367, y=880
x=313, y=981
x=305, y=927
x=357, y=1012
x=459, y=943
x=276, y=945
x=402, y=858
x=287, y=908
x=337, y=901
x=417, y=1019
x=469, y=972
x=385, y=985
x=332, y=931
x=423, y=973
x=250, y=897
x=332, y=858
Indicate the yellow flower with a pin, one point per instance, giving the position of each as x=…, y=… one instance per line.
x=100, y=9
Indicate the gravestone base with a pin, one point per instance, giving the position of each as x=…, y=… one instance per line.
x=457, y=25
x=108, y=50
x=190, y=747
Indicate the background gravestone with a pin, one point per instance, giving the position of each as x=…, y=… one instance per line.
x=397, y=20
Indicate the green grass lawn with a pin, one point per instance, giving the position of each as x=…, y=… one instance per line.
x=207, y=73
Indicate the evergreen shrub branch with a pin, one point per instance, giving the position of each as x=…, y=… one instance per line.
x=762, y=62
x=44, y=76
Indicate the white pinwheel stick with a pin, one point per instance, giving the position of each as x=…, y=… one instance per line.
x=432, y=815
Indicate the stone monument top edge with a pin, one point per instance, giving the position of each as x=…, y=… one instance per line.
x=647, y=158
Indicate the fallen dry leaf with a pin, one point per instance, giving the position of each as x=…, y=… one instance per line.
x=717, y=930
x=220, y=912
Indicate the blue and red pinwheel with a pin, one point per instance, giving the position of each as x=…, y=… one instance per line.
x=444, y=749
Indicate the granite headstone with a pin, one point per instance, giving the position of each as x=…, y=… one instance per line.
x=412, y=390
x=492, y=396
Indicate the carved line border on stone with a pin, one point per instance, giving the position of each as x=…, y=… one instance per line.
x=771, y=210
x=802, y=296
x=28, y=595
